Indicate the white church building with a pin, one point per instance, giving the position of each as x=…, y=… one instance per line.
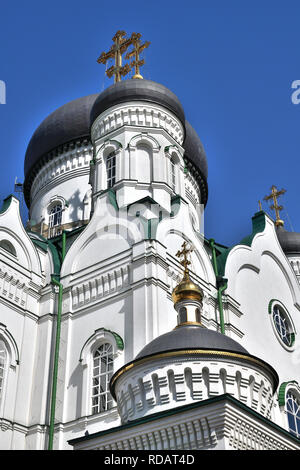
x=109, y=338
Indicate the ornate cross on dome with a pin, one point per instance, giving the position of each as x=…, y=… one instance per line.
x=185, y=262
x=138, y=48
x=274, y=195
x=117, y=49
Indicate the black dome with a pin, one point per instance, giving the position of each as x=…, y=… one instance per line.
x=69, y=123
x=194, y=150
x=72, y=122
x=137, y=90
x=289, y=241
x=191, y=337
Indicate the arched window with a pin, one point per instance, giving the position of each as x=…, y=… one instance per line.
x=103, y=366
x=3, y=366
x=293, y=413
x=7, y=246
x=55, y=218
x=198, y=315
x=182, y=315
x=111, y=169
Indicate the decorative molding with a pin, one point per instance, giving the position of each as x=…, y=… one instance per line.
x=192, y=189
x=246, y=436
x=200, y=435
x=144, y=138
x=99, y=287
x=284, y=387
x=13, y=286
x=137, y=115
x=217, y=423
x=64, y=165
x=163, y=383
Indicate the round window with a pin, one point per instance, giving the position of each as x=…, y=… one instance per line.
x=283, y=325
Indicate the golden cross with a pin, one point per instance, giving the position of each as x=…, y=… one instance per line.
x=274, y=195
x=185, y=262
x=137, y=49
x=117, y=49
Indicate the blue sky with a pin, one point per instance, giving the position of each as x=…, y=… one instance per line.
x=231, y=63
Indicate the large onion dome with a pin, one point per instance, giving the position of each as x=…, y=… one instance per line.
x=289, y=241
x=137, y=90
x=68, y=124
x=71, y=124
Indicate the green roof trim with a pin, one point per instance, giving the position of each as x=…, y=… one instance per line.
x=175, y=205
x=119, y=340
x=219, y=248
x=43, y=243
x=258, y=226
x=282, y=391
x=40, y=244
x=182, y=409
x=113, y=198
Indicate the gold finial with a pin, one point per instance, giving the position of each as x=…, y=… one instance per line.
x=259, y=205
x=137, y=49
x=185, y=262
x=186, y=289
x=274, y=195
x=117, y=49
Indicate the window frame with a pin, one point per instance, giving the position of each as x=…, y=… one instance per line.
x=5, y=372
x=291, y=330
x=173, y=173
x=103, y=396
x=12, y=361
x=54, y=230
x=285, y=390
x=86, y=359
x=8, y=247
x=291, y=395
x=111, y=171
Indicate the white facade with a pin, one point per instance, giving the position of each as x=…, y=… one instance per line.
x=117, y=276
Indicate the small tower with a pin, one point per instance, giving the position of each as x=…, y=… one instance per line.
x=187, y=296
x=189, y=364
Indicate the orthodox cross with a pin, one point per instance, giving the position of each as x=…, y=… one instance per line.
x=185, y=262
x=137, y=49
x=274, y=195
x=117, y=49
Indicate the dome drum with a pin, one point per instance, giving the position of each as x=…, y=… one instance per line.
x=173, y=378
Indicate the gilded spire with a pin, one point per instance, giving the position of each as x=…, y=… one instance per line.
x=274, y=195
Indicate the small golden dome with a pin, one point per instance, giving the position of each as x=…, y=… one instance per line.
x=187, y=290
